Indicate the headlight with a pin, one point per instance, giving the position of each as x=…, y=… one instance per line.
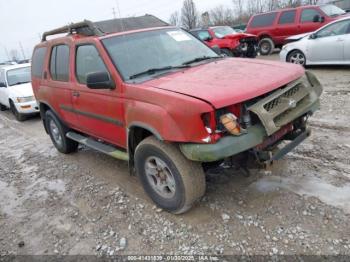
x=25, y=99
x=230, y=122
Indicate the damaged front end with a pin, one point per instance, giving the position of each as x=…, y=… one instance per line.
x=269, y=126
x=248, y=47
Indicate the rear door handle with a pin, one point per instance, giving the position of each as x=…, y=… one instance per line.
x=76, y=94
x=340, y=40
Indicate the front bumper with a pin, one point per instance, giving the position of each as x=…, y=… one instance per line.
x=283, y=55
x=27, y=107
x=305, y=104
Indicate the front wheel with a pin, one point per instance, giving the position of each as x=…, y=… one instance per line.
x=20, y=117
x=173, y=182
x=266, y=46
x=297, y=57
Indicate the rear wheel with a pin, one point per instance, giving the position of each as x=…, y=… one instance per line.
x=297, y=57
x=266, y=46
x=173, y=182
x=57, y=132
x=20, y=117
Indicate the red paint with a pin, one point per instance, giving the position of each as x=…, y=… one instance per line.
x=279, y=32
x=171, y=105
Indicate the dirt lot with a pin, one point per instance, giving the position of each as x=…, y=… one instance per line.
x=87, y=203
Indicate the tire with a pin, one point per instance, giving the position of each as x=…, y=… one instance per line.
x=57, y=132
x=184, y=180
x=266, y=46
x=2, y=107
x=226, y=52
x=297, y=57
x=20, y=117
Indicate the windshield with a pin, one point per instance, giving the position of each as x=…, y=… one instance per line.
x=18, y=76
x=223, y=31
x=332, y=10
x=139, y=52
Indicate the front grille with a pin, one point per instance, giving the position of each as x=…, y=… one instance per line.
x=285, y=105
x=288, y=94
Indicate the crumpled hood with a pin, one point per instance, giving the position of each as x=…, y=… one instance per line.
x=229, y=81
x=22, y=90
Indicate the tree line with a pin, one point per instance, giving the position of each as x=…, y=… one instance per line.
x=239, y=13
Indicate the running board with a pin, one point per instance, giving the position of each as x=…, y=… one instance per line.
x=103, y=148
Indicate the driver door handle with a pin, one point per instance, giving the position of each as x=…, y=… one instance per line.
x=75, y=94
x=340, y=40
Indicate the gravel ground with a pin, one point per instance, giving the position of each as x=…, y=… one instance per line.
x=86, y=203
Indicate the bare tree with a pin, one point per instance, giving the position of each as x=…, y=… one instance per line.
x=175, y=19
x=221, y=15
x=189, y=15
x=205, y=19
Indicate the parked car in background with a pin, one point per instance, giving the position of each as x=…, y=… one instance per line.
x=230, y=42
x=329, y=45
x=167, y=103
x=16, y=91
x=273, y=28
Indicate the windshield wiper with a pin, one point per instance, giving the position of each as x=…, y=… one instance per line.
x=152, y=71
x=199, y=59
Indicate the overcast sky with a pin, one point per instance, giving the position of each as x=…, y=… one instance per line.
x=24, y=20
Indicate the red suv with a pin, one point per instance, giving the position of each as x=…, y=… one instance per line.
x=273, y=28
x=230, y=42
x=168, y=104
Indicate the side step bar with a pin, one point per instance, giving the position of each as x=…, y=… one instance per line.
x=103, y=148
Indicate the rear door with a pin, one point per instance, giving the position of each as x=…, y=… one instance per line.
x=329, y=46
x=286, y=25
x=100, y=111
x=58, y=81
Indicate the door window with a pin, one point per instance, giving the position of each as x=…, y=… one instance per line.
x=59, y=63
x=203, y=35
x=88, y=61
x=308, y=15
x=340, y=28
x=263, y=20
x=287, y=17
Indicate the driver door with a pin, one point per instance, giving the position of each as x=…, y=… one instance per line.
x=329, y=44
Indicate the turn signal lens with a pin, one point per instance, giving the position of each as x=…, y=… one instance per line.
x=231, y=124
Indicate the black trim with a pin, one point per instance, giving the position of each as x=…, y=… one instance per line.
x=92, y=115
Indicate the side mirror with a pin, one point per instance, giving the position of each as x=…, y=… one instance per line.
x=209, y=38
x=2, y=84
x=316, y=19
x=313, y=36
x=99, y=80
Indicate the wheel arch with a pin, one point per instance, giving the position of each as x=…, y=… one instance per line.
x=136, y=132
x=43, y=108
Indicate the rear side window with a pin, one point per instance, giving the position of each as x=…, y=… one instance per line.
x=59, y=63
x=308, y=15
x=287, y=17
x=38, y=61
x=263, y=20
x=88, y=61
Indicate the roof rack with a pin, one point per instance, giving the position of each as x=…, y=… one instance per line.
x=85, y=28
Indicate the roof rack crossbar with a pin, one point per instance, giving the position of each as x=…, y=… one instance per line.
x=75, y=27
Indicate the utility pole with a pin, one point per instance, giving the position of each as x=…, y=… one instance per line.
x=113, y=10
x=22, y=50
